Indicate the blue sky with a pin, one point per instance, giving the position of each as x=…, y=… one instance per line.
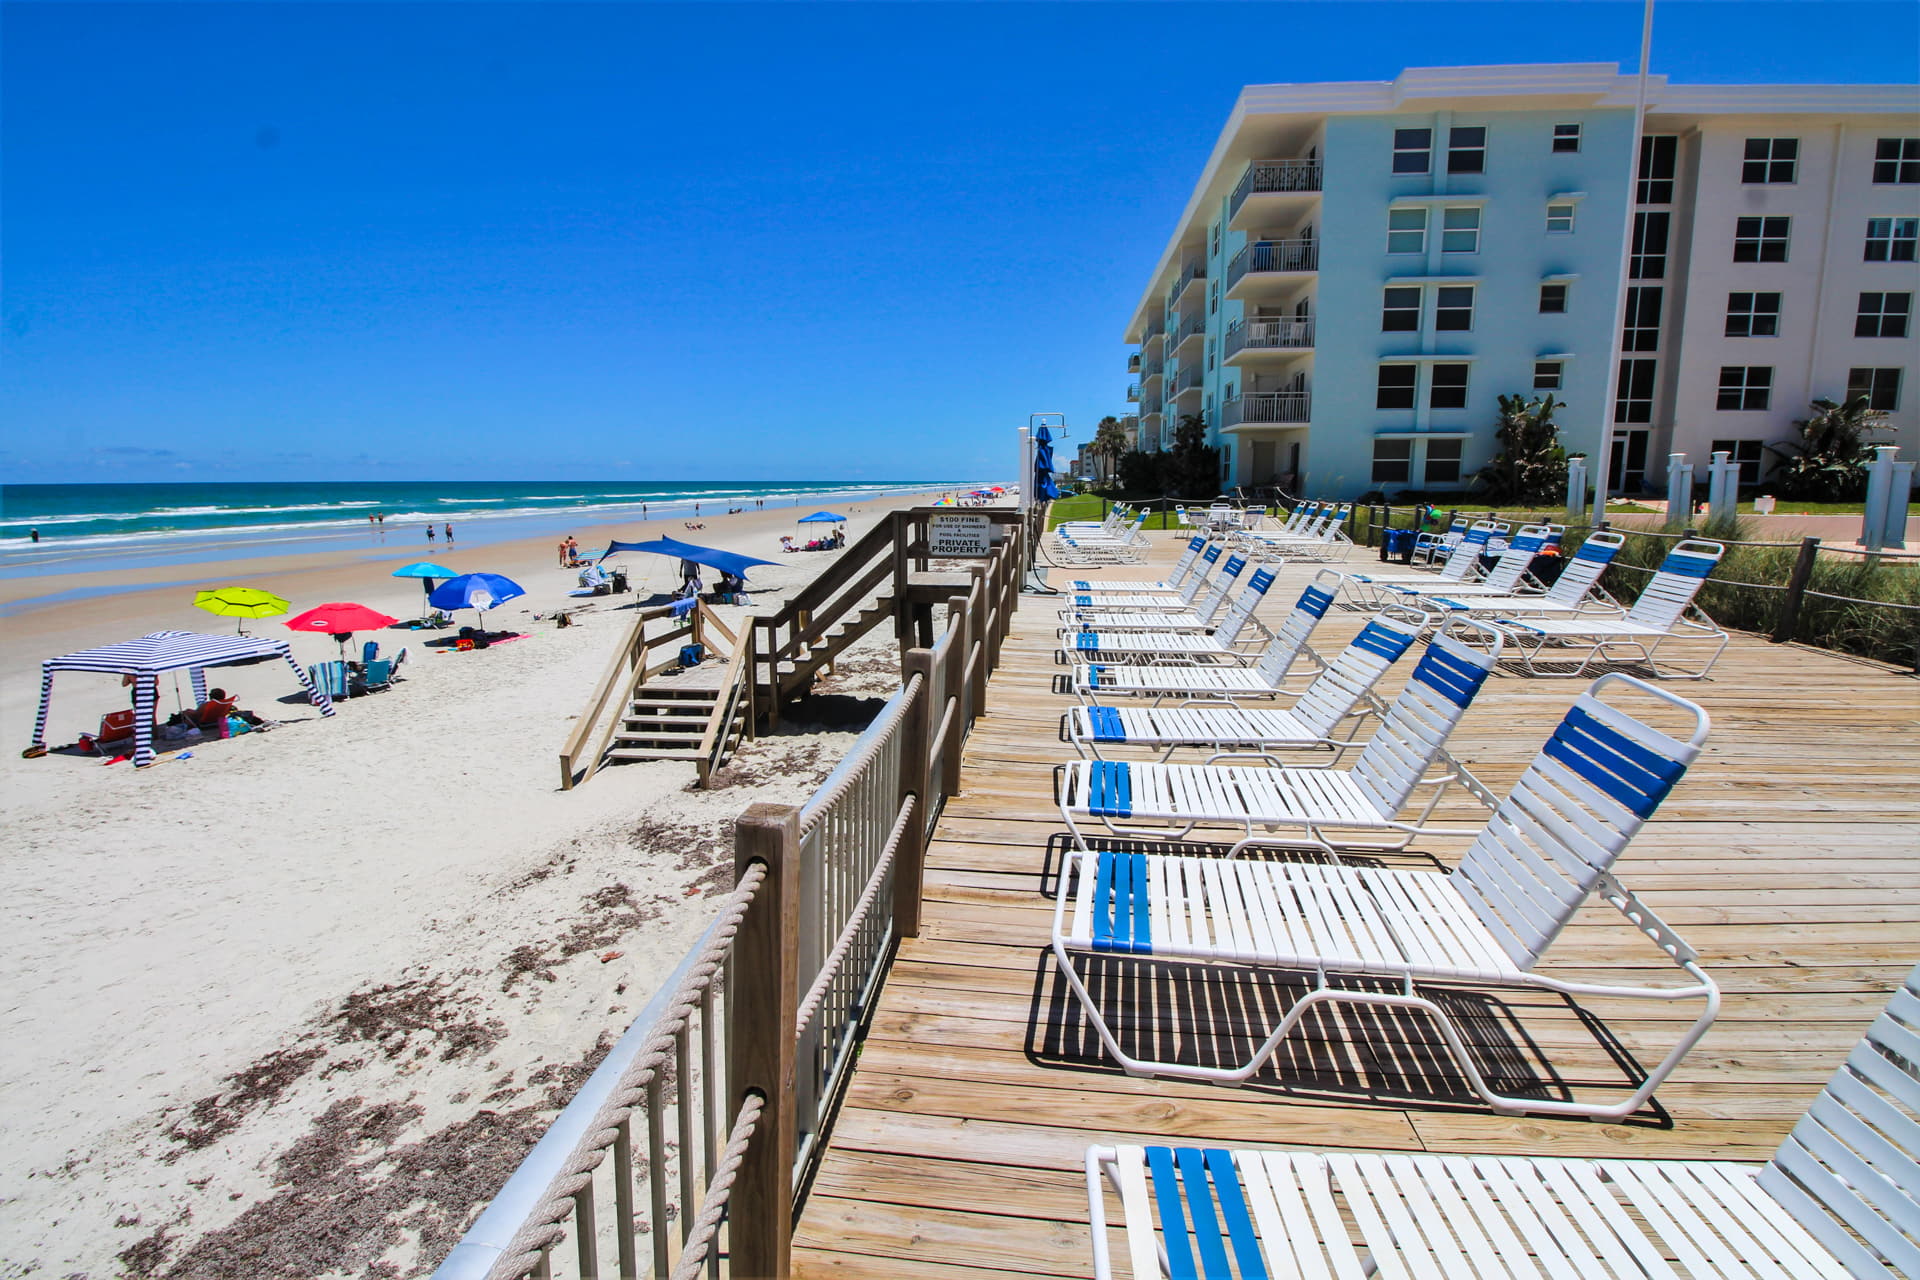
x=657, y=241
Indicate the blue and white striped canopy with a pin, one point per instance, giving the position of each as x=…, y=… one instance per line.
x=170, y=651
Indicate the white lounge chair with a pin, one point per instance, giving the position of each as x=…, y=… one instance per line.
x=1229, y=674
x=1373, y=589
x=1432, y=549
x=1325, y=539
x=1216, y=585
x=1548, y=847
x=1148, y=646
x=1839, y=1198
x=1451, y=663
x=1507, y=575
x=1197, y=617
x=1574, y=591
x=1663, y=612
x=1196, y=559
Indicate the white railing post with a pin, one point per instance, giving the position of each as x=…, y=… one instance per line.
x=1889, y=490
x=1723, y=486
x=1576, y=487
x=1679, y=489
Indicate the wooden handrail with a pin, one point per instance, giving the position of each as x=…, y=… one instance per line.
x=625, y=672
x=720, y=725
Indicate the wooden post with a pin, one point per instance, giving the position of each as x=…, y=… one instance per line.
x=977, y=630
x=954, y=682
x=916, y=779
x=1788, y=620
x=762, y=1003
x=1386, y=527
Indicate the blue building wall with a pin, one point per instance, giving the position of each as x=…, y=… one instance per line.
x=1516, y=252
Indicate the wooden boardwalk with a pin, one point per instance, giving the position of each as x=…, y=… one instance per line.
x=1789, y=857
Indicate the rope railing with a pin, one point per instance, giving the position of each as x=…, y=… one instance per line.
x=850, y=933
x=705, y=1227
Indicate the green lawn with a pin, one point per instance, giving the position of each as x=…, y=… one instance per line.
x=1085, y=506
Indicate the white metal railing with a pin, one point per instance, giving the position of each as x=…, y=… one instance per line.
x=1267, y=177
x=1191, y=376
x=1267, y=406
x=1274, y=255
x=1191, y=327
x=1268, y=335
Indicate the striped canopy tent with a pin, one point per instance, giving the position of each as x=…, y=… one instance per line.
x=144, y=659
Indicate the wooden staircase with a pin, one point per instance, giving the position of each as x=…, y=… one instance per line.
x=666, y=723
x=797, y=674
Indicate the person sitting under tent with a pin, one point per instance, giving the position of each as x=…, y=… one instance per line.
x=689, y=580
x=729, y=584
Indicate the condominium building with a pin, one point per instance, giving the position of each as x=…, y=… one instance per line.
x=1364, y=269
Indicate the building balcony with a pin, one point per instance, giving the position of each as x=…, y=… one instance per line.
x=1188, y=382
x=1133, y=394
x=1150, y=405
x=1193, y=329
x=1271, y=190
x=1266, y=408
x=1267, y=268
x=1190, y=275
x=1261, y=341
x=1133, y=363
x=1148, y=373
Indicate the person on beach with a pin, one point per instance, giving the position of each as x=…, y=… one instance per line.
x=561, y=553
x=449, y=535
x=429, y=533
x=34, y=534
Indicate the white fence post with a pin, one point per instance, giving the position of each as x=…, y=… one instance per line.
x=1889, y=490
x=1026, y=469
x=1723, y=486
x=1679, y=489
x=1576, y=487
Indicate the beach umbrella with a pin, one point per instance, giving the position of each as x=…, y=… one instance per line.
x=477, y=591
x=240, y=602
x=340, y=620
x=1043, y=485
x=823, y=517
x=426, y=571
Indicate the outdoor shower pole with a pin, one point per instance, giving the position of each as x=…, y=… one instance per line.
x=1603, y=456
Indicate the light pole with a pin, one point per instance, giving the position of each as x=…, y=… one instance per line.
x=1603, y=455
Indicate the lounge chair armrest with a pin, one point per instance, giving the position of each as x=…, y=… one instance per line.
x=1643, y=918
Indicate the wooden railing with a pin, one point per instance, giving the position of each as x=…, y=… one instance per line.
x=734, y=705
x=634, y=662
x=713, y=1103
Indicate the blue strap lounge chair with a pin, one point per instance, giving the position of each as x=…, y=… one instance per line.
x=1547, y=847
x=1201, y=617
x=1840, y=1197
x=1663, y=614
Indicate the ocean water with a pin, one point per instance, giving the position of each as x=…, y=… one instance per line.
x=89, y=526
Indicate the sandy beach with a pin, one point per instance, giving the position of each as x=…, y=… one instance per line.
x=295, y=1005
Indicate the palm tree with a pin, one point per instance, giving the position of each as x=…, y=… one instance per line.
x=1109, y=442
x=1828, y=463
x=1531, y=466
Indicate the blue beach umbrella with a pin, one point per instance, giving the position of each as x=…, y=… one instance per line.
x=477, y=591
x=1043, y=485
x=426, y=571
x=823, y=517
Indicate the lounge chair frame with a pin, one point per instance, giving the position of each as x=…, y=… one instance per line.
x=1664, y=612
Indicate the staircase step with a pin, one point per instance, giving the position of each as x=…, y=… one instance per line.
x=650, y=753
x=700, y=701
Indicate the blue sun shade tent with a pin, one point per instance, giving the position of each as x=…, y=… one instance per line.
x=725, y=561
x=823, y=517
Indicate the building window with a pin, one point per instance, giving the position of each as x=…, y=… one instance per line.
x=1443, y=461
x=1453, y=308
x=1460, y=230
x=1449, y=389
x=1770, y=160
x=1760, y=239
x=1748, y=453
x=1753, y=315
x=1412, y=150
x=1657, y=162
x=1392, y=461
x=1210, y=353
x=1467, y=150
x=1892, y=239
x=1881, y=387
x=1215, y=234
x=1634, y=399
x=1649, y=259
x=1395, y=390
x=1883, y=315
x=1559, y=219
x=1400, y=311
x=1406, y=231
x=1896, y=160
x=1553, y=299
x=1546, y=375
x=1566, y=137
x=1745, y=387
x=1641, y=329
x=1213, y=300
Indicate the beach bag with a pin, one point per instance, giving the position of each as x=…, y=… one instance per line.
x=691, y=654
x=234, y=726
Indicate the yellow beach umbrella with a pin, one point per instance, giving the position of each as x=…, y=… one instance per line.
x=240, y=602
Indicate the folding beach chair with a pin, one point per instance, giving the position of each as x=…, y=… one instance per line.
x=1839, y=1198
x=1451, y=661
x=1225, y=675
x=1664, y=612
x=1546, y=848
x=1181, y=601
x=1574, y=591
x=1160, y=642
x=1199, y=617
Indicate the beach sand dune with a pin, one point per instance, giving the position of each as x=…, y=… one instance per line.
x=294, y=1006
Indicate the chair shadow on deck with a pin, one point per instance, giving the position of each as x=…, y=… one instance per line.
x=1218, y=1015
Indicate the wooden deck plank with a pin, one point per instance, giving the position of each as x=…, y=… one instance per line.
x=1789, y=857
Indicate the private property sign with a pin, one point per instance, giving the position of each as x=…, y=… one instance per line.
x=957, y=534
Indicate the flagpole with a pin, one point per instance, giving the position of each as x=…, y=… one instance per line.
x=1603, y=457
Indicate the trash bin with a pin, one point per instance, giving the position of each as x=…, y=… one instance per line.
x=1400, y=544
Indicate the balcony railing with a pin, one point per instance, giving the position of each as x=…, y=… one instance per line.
x=1133, y=393
x=1150, y=371
x=1150, y=406
x=1189, y=379
x=1188, y=274
x=1191, y=327
x=1274, y=255
x=1269, y=335
x=1133, y=363
x=1266, y=406
x=1270, y=177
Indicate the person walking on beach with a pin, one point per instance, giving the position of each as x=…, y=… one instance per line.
x=429, y=534
x=34, y=534
x=449, y=535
